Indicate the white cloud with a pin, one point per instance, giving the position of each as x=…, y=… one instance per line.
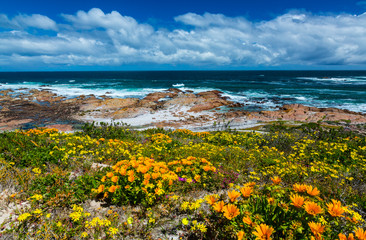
x=98, y=38
x=26, y=21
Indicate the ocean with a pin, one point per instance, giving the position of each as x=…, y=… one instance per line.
x=257, y=90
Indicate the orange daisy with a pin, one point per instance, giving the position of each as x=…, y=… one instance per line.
x=112, y=189
x=231, y=211
x=276, y=180
x=114, y=179
x=233, y=195
x=344, y=237
x=247, y=220
x=312, y=191
x=360, y=234
x=316, y=228
x=312, y=208
x=297, y=201
x=211, y=199
x=219, y=206
x=263, y=232
x=246, y=191
x=240, y=235
x=335, y=209
x=101, y=188
x=299, y=187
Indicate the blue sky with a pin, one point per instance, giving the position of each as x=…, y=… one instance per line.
x=200, y=34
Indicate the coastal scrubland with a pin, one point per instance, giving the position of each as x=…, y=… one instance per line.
x=111, y=182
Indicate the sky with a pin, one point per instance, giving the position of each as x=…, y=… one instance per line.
x=41, y=35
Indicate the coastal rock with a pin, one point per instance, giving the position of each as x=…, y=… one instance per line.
x=108, y=104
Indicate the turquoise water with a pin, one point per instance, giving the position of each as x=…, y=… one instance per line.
x=258, y=90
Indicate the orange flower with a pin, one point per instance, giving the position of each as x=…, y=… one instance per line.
x=110, y=174
x=103, y=178
x=197, y=178
x=335, y=209
x=344, y=237
x=247, y=220
x=231, y=211
x=131, y=178
x=249, y=184
x=219, y=206
x=270, y=200
x=312, y=191
x=233, y=195
x=240, y=235
x=112, y=189
x=276, y=180
x=316, y=228
x=360, y=234
x=246, y=191
x=123, y=171
x=299, y=187
x=263, y=231
x=101, y=188
x=206, y=168
x=211, y=199
x=297, y=200
x=114, y=179
x=312, y=208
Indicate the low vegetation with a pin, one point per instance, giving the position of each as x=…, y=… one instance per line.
x=110, y=182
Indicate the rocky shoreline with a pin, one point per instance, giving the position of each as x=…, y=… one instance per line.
x=172, y=108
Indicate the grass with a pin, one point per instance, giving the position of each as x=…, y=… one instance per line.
x=303, y=181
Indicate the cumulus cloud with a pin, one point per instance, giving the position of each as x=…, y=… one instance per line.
x=98, y=38
x=26, y=21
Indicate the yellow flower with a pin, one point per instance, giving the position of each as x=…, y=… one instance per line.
x=37, y=197
x=112, y=230
x=312, y=208
x=84, y=234
x=297, y=201
x=185, y=221
x=316, y=228
x=276, y=180
x=233, y=195
x=202, y=227
x=37, y=211
x=246, y=191
x=312, y=191
x=231, y=211
x=360, y=234
x=130, y=220
x=263, y=231
x=110, y=174
x=240, y=235
x=335, y=209
x=24, y=217
x=218, y=207
x=103, y=179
